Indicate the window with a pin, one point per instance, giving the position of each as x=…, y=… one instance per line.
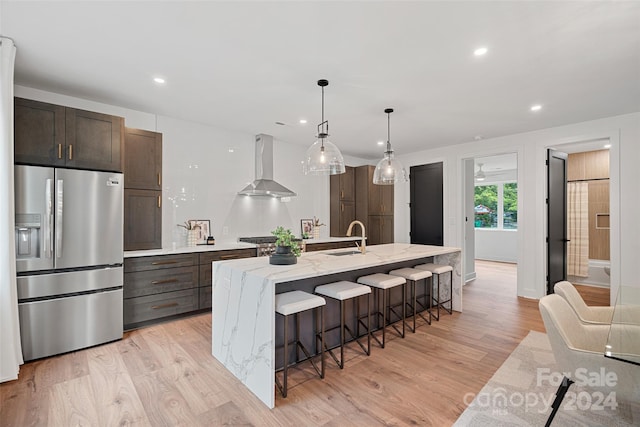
x=496, y=206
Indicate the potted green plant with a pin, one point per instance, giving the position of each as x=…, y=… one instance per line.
x=287, y=248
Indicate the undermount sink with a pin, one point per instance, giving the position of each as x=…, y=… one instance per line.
x=343, y=253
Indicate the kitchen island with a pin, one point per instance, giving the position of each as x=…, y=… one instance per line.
x=243, y=330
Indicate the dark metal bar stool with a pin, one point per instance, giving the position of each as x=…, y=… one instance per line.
x=296, y=302
x=437, y=270
x=413, y=277
x=383, y=284
x=343, y=291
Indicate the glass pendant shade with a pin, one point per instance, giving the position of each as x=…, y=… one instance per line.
x=324, y=158
x=389, y=171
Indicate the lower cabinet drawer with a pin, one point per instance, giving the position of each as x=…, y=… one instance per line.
x=143, y=283
x=205, y=297
x=157, y=306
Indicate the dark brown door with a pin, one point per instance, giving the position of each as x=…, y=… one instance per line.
x=556, y=218
x=39, y=133
x=94, y=140
x=426, y=192
x=143, y=159
x=142, y=219
x=347, y=214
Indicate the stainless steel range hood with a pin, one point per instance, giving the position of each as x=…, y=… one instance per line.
x=264, y=185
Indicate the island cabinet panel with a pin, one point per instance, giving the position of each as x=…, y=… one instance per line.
x=205, y=260
x=53, y=135
x=312, y=247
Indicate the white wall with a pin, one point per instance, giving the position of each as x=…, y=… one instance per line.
x=201, y=177
x=624, y=134
x=496, y=245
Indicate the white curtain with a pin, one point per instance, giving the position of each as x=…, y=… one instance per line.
x=578, y=229
x=10, y=346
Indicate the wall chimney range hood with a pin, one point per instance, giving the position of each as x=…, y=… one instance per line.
x=264, y=185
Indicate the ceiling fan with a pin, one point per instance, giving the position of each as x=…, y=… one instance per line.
x=480, y=176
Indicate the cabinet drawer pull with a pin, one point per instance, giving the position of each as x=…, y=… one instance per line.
x=159, y=184
x=159, y=201
x=167, y=305
x=59, y=151
x=165, y=281
x=163, y=262
x=341, y=207
x=71, y=152
x=228, y=256
x=342, y=194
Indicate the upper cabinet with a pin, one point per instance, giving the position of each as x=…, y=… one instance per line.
x=142, y=190
x=588, y=165
x=372, y=199
x=53, y=135
x=342, y=201
x=143, y=159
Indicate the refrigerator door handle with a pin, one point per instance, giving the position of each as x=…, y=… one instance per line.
x=59, y=216
x=48, y=230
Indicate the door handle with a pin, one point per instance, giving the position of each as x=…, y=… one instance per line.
x=48, y=238
x=566, y=240
x=59, y=216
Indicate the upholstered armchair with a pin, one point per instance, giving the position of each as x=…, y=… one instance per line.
x=576, y=344
x=587, y=314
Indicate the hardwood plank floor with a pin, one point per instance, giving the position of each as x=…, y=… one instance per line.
x=164, y=375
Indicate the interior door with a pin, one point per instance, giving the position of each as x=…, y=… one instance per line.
x=469, y=217
x=556, y=218
x=426, y=192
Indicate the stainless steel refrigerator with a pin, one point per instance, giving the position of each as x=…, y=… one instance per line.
x=69, y=253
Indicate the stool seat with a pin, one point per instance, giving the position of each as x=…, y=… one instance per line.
x=342, y=290
x=411, y=273
x=296, y=302
x=434, y=268
x=382, y=281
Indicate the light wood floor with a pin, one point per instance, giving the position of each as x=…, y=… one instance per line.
x=165, y=375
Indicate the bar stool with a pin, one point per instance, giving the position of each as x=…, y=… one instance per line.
x=413, y=276
x=383, y=284
x=295, y=302
x=437, y=270
x=343, y=291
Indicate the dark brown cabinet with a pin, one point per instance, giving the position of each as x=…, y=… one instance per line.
x=142, y=219
x=205, y=261
x=374, y=206
x=342, y=202
x=143, y=190
x=53, y=135
x=157, y=287
x=143, y=159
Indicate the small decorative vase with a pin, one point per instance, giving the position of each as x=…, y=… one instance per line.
x=316, y=232
x=283, y=256
x=192, y=237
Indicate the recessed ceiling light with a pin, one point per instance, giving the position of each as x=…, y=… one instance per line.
x=303, y=121
x=607, y=146
x=480, y=51
x=477, y=137
x=159, y=80
x=380, y=142
x=231, y=150
x=536, y=107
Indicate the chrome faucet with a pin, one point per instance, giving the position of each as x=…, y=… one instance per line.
x=363, y=242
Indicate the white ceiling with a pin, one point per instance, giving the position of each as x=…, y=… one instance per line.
x=246, y=65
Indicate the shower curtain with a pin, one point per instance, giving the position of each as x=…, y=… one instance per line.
x=578, y=229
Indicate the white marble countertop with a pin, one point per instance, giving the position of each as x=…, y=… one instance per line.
x=311, y=264
x=224, y=246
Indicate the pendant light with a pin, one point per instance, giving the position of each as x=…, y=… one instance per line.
x=323, y=157
x=480, y=176
x=389, y=170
